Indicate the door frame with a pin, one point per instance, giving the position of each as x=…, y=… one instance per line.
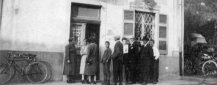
x=88, y=20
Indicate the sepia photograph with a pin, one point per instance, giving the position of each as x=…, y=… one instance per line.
x=108, y=42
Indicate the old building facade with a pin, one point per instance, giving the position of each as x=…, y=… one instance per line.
x=43, y=27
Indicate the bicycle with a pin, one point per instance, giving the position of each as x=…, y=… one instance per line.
x=34, y=71
x=209, y=67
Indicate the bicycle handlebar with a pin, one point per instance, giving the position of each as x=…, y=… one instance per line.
x=21, y=56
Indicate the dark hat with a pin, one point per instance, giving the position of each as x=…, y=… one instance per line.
x=152, y=40
x=145, y=38
x=124, y=38
x=117, y=37
x=71, y=39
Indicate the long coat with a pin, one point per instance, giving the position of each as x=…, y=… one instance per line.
x=146, y=57
x=70, y=54
x=118, y=52
x=92, y=58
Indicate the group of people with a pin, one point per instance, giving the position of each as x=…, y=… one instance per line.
x=139, y=59
x=89, y=61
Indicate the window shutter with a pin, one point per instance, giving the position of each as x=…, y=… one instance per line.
x=163, y=25
x=129, y=18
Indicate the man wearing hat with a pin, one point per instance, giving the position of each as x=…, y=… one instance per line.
x=134, y=50
x=126, y=60
x=145, y=61
x=117, y=58
x=70, y=57
x=155, y=63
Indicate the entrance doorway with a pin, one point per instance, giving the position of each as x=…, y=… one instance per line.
x=83, y=31
x=85, y=23
x=94, y=30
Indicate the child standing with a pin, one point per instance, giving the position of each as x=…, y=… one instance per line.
x=106, y=60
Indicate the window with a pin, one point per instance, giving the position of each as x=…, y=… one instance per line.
x=129, y=22
x=162, y=32
x=163, y=21
x=128, y=15
x=84, y=11
x=128, y=29
x=138, y=24
x=144, y=24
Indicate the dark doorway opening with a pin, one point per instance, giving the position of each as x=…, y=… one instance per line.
x=93, y=30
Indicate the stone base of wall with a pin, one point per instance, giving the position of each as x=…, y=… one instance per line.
x=55, y=59
x=169, y=67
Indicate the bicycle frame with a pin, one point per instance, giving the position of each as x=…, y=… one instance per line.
x=18, y=68
x=13, y=59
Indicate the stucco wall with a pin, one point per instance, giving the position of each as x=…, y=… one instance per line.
x=34, y=25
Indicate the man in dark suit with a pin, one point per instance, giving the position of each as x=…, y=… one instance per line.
x=126, y=60
x=117, y=58
x=155, y=63
x=134, y=50
x=146, y=57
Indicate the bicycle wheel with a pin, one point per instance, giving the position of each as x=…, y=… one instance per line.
x=6, y=73
x=209, y=68
x=37, y=72
x=49, y=70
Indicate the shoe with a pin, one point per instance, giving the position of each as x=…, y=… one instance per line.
x=139, y=82
x=108, y=82
x=144, y=83
x=93, y=82
x=69, y=81
x=83, y=81
x=135, y=82
x=130, y=82
x=88, y=82
x=104, y=83
x=154, y=82
x=114, y=84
